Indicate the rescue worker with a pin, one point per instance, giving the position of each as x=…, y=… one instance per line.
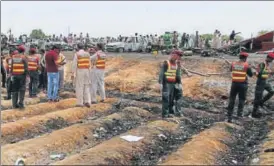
x=61, y=62
x=263, y=73
x=3, y=72
x=240, y=71
x=18, y=71
x=81, y=72
x=33, y=67
x=98, y=74
x=171, y=85
x=8, y=83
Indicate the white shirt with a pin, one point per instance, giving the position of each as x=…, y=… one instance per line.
x=94, y=57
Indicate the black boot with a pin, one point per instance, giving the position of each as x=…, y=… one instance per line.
x=229, y=118
x=256, y=113
x=15, y=100
x=240, y=114
x=266, y=98
x=8, y=97
x=21, y=99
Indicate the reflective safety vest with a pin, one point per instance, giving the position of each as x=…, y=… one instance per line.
x=265, y=72
x=83, y=62
x=101, y=62
x=239, y=70
x=60, y=59
x=18, y=65
x=171, y=72
x=8, y=63
x=33, y=62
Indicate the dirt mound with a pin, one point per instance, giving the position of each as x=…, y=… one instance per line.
x=133, y=79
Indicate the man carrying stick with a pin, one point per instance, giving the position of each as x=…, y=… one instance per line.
x=171, y=85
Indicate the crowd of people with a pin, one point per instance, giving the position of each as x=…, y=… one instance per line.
x=44, y=71
x=183, y=41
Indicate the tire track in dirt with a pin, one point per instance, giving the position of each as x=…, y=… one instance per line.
x=117, y=151
x=7, y=104
x=263, y=154
x=186, y=102
x=28, y=128
x=151, y=154
x=204, y=148
x=38, y=109
x=73, y=139
x=266, y=155
x=246, y=146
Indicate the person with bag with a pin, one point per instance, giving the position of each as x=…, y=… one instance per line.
x=171, y=85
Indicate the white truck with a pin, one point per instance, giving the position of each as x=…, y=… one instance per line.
x=128, y=44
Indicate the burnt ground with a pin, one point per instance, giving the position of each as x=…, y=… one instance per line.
x=198, y=115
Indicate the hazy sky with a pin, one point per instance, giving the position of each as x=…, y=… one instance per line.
x=126, y=18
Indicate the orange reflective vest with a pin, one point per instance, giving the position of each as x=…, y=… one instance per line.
x=18, y=64
x=8, y=63
x=33, y=62
x=60, y=59
x=171, y=72
x=101, y=62
x=83, y=62
x=239, y=70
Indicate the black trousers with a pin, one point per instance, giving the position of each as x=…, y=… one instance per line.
x=4, y=76
x=33, y=85
x=261, y=86
x=43, y=79
x=18, y=89
x=8, y=83
x=239, y=89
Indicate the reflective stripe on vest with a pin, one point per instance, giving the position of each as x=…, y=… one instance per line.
x=239, y=70
x=60, y=59
x=32, y=63
x=101, y=62
x=18, y=65
x=265, y=72
x=171, y=72
x=8, y=63
x=83, y=62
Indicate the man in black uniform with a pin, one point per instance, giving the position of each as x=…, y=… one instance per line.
x=263, y=73
x=18, y=71
x=8, y=83
x=240, y=71
x=171, y=85
x=3, y=71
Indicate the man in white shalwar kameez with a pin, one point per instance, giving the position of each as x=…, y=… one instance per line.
x=81, y=72
x=98, y=74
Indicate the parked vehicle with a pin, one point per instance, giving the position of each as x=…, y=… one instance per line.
x=128, y=44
